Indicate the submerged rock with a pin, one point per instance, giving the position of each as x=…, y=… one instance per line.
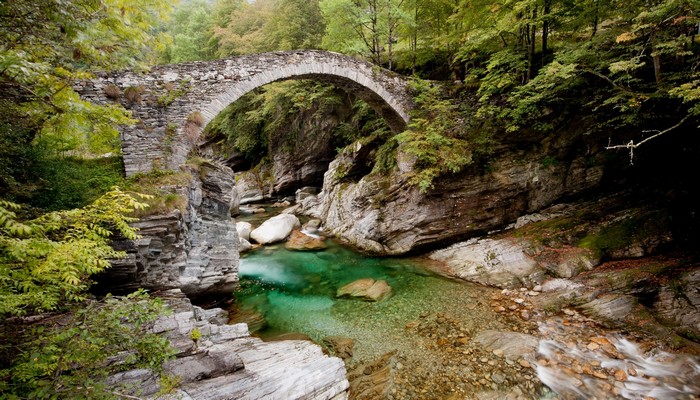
x=340, y=346
x=366, y=289
x=275, y=229
x=302, y=242
x=512, y=345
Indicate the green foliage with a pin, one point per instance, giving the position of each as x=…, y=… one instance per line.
x=47, y=44
x=436, y=137
x=159, y=184
x=277, y=114
x=72, y=182
x=46, y=263
x=192, y=30
x=72, y=358
x=267, y=25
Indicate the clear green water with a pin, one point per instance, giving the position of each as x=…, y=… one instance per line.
x=295, y=292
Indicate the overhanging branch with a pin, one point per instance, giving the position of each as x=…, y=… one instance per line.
x=631, y=145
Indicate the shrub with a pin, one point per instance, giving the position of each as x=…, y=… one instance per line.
x=133, y=94
x=112, y=91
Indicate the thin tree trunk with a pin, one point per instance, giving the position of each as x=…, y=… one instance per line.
x=532, y=30
x=545, y=28
x=657, y=68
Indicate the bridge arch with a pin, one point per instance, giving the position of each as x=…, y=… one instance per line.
x=165, y=99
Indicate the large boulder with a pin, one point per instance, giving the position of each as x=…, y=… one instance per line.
x=302, y=242
x=275, y=229
x=366, y=289
x=502, y=263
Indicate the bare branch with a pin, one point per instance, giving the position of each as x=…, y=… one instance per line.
x=631, y=145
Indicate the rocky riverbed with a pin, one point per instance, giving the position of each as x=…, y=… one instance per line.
x=562, y=332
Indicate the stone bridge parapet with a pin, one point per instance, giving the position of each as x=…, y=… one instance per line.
x=172, y=103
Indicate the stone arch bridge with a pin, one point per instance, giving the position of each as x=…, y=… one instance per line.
x=172, y=103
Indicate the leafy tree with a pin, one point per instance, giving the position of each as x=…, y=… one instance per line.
x=74, y=355
x=269, y=25
x=438, y=137
x=47, y=262
x=45, y=45
x=192, y=30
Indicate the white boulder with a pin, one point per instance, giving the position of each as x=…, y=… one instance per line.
x=243, y=229
x=275, y=229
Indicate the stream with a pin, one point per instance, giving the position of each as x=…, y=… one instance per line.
x=434, y=338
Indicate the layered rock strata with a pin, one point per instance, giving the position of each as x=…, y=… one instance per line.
x=227, y=363
x=195, y=250
x=387, y=215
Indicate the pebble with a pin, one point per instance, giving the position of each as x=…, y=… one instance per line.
x=519, y=301
x=620, y=375
x=593, y=346
x=498, y=378
x=569, y=312
x=537, y=288
x=498, y=352
x=524, y=363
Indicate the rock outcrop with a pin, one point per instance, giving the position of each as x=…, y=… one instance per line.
x=195, y=250
x=227, y=363
x=275, y=229
x=386, y=215
x=562, y=241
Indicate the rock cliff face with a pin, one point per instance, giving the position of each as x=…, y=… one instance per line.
x=226, y=363
x=195, y=250
x=386, y=215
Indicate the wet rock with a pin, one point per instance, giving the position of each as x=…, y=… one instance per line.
x=244, y=228
x=252, y=187
x=373, y=380
x=611, y=307
x=253, y=319
x=340, y=346
x=513, y=345
x=275, y=229
x=302, y=242
x=456, y=207
x=366, y=289
x=678, y=302
x=228, y=363
x=305, y=192
x=244, y=245
x=312, y=227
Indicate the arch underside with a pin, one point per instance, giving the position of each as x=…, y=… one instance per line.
x=389, y=108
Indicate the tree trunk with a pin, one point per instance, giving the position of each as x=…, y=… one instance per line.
x=545, y=28
x=657, y=68
x=532, y=31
